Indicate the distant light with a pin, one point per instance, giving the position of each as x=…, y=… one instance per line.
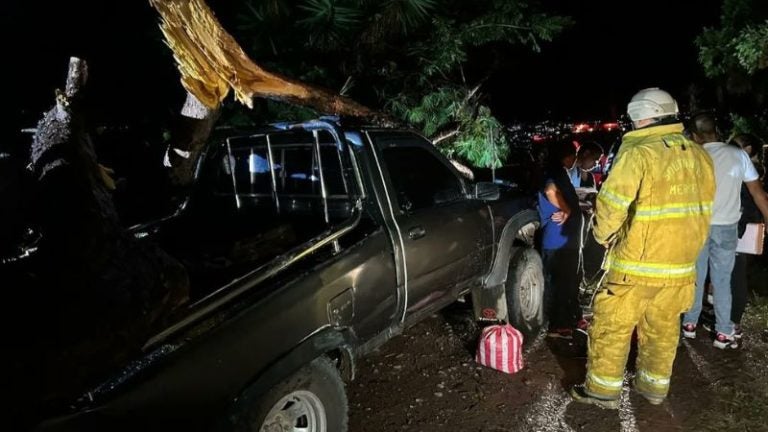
x=610, y=126
x=582, y=127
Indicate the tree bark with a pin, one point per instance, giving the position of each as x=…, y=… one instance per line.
x=450, y=134
x=211, y=63
x=188, y=140
x=104, y=291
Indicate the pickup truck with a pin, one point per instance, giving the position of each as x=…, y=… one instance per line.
x=307, y=246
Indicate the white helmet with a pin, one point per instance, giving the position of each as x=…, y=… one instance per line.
x=651, y=103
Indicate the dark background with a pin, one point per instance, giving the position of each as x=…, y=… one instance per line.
x=589, y=72
x=614, y=49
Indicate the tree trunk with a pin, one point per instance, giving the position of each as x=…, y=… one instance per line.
x=104, y=291
x=188, y=140
x=211, y=63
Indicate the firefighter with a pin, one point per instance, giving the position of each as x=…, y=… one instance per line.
x=653, y=213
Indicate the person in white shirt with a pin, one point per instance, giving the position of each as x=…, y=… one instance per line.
x=732, y=168
x=749, y=214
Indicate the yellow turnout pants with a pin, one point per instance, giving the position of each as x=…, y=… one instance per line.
x=618, y=309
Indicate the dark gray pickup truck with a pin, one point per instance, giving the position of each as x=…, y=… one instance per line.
x=313, y=244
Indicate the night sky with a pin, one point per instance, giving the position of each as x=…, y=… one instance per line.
x=592, y=70
x=131, y=71
x=588, y=72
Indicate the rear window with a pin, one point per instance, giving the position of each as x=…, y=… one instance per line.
x=296, y=170
x=261, y=201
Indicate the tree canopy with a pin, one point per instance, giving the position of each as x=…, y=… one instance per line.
x=735, y=54
x=409, y=57
x=739, y=44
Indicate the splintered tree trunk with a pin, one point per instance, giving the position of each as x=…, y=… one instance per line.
x=188, y=140
x=211, y=64
x=106, y=292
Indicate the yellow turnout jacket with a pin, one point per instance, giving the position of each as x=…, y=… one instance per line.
x=655, y=208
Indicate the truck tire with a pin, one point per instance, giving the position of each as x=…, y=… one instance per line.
x=312, y=400
x=525, y=291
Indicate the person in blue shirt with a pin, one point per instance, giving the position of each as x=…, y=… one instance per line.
x=561, y=222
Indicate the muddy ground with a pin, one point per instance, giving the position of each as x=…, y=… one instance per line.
x=426, y=380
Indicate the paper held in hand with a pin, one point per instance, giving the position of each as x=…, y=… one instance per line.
x=587, y=197
x=586, y=193
x=752, y=241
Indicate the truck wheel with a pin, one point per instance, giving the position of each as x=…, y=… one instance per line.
x=525, y=291
x=311, y=400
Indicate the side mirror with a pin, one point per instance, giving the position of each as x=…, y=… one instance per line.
x=486, y=191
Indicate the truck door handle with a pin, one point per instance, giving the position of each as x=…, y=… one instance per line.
x=416, y=233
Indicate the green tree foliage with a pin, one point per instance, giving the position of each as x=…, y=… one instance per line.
x=753, y=124
x=741, y=42
x=751, y=48
x=458, y=123
x=406, y=56
x=735, y=55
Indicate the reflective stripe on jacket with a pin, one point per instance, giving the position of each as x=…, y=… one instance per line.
x=655, y=208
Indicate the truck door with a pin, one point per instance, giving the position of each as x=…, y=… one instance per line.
x=447, y=236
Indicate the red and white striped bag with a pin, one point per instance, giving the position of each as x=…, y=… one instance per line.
x=501, y=348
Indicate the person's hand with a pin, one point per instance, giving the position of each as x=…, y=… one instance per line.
x=559, y=217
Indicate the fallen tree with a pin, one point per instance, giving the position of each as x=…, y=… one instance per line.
x=94, y=293
x=100, y=293
x=211, y=64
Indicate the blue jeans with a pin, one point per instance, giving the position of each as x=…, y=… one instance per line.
x=718, y=256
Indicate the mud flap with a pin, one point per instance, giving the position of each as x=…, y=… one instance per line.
x=490, y=304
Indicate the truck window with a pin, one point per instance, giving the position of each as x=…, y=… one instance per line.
x=297, y=171
x=254, y=207
x=420, y=179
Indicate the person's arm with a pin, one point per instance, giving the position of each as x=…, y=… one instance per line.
x=760, y=197
x=556, y=198
x=752, y=180
x=617, y=194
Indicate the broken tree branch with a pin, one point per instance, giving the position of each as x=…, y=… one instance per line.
x=77, y=76
x=445, y=136
x=188, y=140
x=211, y=63
x=471, y=93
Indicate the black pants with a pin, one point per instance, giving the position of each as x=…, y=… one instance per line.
x=561, y=291
x=739, y=289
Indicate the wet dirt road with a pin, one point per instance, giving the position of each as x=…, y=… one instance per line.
x=426, y=380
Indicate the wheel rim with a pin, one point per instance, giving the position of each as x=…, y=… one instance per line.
x=299, y=411
x=530, y=302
